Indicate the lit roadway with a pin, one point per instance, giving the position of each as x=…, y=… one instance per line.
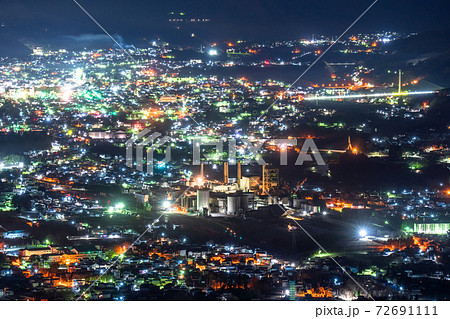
x=361, y=96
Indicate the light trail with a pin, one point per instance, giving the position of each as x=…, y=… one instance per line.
x=361, y=96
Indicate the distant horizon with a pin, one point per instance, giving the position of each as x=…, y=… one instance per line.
x=55, y=22
x=15, y=47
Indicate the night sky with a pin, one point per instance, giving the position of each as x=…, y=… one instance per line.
x=60, y=21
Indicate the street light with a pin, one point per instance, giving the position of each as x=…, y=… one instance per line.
x=213, y=52
x=362, y=233
x=120, y=206
x=166, y=204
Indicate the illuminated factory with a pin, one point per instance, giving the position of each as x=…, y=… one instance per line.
x=232, y=196
x=432, y=228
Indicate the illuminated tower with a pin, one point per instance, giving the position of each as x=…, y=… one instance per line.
x=349, y=146
x=270, y=178
x=399, y=81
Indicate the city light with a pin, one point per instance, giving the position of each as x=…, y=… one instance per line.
x=213, y=52
x=174, y=164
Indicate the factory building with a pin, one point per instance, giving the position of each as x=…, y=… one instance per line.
x=432, y=228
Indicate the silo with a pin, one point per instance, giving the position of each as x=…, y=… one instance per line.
x=202, y=199
x=233, y=204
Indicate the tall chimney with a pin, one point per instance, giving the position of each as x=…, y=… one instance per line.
x=264, y=179
x=225, y=173
x=239, y=174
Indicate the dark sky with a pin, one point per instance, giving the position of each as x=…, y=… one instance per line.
x=54, y=21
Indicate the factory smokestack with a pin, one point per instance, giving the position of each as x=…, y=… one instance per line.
x=239, y=174
x=225, y=173
x=264, y=179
